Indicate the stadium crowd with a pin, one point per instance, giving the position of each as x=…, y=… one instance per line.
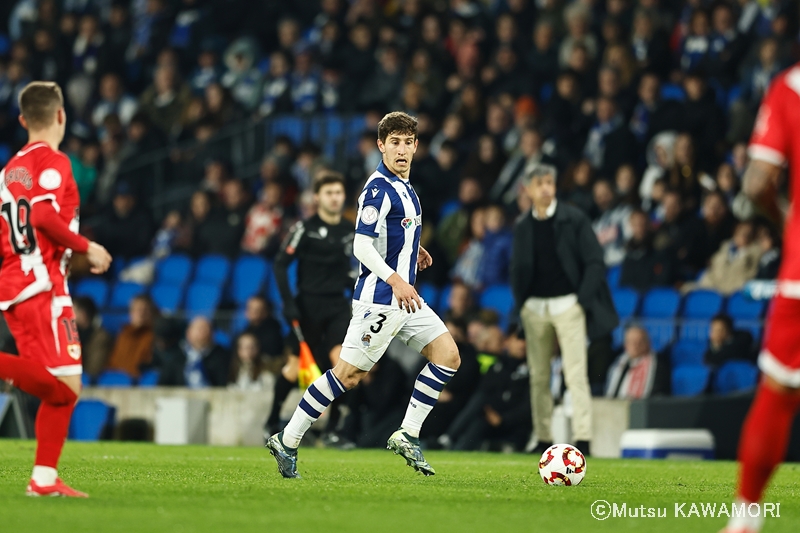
x=644, y=106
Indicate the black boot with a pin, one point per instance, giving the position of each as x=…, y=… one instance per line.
x=583, y=446
x=541, y=447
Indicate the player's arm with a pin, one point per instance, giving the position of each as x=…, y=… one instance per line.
x=45, y=219
x=767, y=151
x=374, y=206
x=286, y=256
x=760, y=184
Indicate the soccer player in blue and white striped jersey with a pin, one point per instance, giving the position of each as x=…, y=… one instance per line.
x=385, y=304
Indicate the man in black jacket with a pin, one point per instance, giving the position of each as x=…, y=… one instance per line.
x=198, y=361
x=558, y=281
x=322, y=247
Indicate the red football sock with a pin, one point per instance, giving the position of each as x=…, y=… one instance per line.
x=33, y=378
x=52, y=425
x=764, y=439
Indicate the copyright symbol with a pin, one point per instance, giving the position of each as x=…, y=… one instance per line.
x=600, y=510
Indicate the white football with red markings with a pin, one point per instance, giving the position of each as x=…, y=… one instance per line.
x=562, y=464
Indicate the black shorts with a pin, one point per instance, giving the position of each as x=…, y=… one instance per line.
x=324, y=320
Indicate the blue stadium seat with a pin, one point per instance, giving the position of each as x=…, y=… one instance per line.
x=274, y=296
x=448, y=208
x=86, y=380
x=202, y=299
x=689, y=380
x=149, y=378
x=546, y=92
x=292, y=127
x=249, y=275
x=430, y=293
x=444, y=298
x=174, y=270
x=613, y=275
x=672, y=91
x=735, y=376
x=498, y=298
x=213, y=269
x=694, y=330
x=625, y=301
x=660, y=303
x=5, y=44
x=5, y=153
x=687, y=353
x=114, y=321
x=702, y=304
x=122, y=294
x=223, y=339
x=167, y=297
x=618, y=336
x=94, y=288
x=91, y=419
x=755, y=327
x=114, y=378
x=239, y=322
x=740, y=307
x=733, y=94
x=661, y=332
x=117, y=266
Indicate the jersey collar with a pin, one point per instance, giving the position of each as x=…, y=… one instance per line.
x=385, y=172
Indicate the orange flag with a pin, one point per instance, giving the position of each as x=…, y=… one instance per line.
x=308, y=370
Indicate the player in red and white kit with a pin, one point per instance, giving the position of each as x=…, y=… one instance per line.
x=765, y=436
x=38, y=232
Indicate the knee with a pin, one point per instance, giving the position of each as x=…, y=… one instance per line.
x=349, y=375
x=451, y=358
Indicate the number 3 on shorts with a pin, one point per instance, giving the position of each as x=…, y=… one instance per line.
x=375, y=328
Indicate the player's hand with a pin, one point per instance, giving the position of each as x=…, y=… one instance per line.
x=406, y=295
x=98, y=257
x=291, y=312
x=492, y=417
x=424, y=259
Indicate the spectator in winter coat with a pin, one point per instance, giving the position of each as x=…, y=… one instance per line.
x=644, y=267
x=497, y=240
x=638, y=372
x=727, y=344
x=199, y=363
x=612, y=226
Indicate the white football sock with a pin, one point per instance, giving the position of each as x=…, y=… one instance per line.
x=427, y=388
x=44, y=476
x=316, y=399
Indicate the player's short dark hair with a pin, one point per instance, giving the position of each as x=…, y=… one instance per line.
x=397, y=122
x=38, y=103
x=328, y=177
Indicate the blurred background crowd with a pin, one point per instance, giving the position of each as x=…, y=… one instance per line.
x=644, y=106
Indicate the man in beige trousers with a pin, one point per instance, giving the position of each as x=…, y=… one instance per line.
x=558, y=281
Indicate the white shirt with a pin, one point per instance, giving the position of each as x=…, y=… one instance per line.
x=559, y=304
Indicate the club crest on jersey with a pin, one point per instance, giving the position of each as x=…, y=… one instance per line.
x=50, y=179
x=74, y=351
x=366, y=338
x=19, y=175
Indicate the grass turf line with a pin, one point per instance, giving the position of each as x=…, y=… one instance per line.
x=147, y=488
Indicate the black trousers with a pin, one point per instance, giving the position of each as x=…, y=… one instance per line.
x=324, y=320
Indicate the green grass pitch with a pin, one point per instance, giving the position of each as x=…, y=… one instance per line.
x=147, y=488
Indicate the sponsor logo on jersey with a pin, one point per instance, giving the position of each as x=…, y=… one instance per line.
x=408, y=222
x=369, y=215
x=19, y=175
x=366, y=338
x=50, y=179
